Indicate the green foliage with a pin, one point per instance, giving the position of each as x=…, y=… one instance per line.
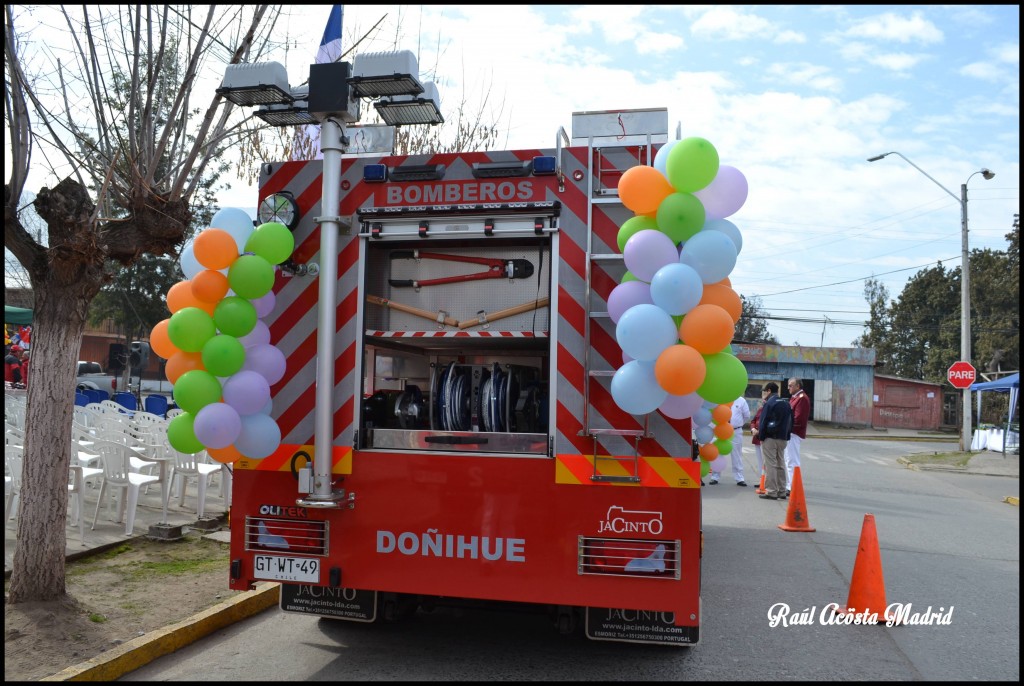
x=917, y=336
x=135, y=298
x=752, y=326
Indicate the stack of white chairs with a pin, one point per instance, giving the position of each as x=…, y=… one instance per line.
x=13, y=459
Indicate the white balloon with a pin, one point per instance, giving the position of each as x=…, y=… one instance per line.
x=189, y=264
x=661, y=158
x=236, y=222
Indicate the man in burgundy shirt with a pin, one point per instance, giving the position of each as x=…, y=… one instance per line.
x=801, y=404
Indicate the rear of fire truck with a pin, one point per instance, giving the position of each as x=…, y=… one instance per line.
x=475, y=440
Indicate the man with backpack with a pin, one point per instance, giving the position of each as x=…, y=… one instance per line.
x=776, y=426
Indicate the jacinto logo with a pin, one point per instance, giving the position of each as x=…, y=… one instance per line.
x=622, y=521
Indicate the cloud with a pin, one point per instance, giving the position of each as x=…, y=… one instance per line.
x=726, y=23
x=655, y=43
x=892, y=27
x=897, y=61
x=1007, y=52
x=804, y=74
x=986, y=71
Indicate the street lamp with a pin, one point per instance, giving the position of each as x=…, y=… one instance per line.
x=332, y=99
x=965, y=285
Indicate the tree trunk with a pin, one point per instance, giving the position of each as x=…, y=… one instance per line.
x=65, y=279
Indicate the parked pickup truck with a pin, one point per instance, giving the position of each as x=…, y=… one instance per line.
x=91, y=375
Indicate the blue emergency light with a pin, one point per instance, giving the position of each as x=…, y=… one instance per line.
x=544, y=164
x=375, y=173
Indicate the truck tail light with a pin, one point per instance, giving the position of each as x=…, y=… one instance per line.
x=632, y=557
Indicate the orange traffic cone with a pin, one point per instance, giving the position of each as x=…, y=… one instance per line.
x=760, y=487
x=867, y=586
x=796, y=515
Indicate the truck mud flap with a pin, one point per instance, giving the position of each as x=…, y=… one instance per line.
x=637, y=626
x=334, y=603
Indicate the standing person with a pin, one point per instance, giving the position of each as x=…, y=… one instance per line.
x=740, y=416
x=12, y=365
x=801, y=404
x=24, y=367
x=776, y=425
x=755, y=424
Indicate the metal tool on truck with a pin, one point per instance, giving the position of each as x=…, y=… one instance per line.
x=476, y=453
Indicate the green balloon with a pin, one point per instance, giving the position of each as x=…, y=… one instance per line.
x=631, y=226
x=235, y=316
x=189, y=328
x=705, y=468
x=680, y=216
x=195, y=390
x=271, y=241
x=725, y=380
x=628, y=276
x=223, y=355
x=724, y=446
x=251, y=276
x=692, y=164
x=181, y=435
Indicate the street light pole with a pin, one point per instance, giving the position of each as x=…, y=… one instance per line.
x=965, y=285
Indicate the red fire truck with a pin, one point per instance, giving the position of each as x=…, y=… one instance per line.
x=476, y=453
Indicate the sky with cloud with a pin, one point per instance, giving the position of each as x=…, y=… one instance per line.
x=796, y=97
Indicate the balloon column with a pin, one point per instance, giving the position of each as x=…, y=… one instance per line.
x=218, y=350
x=675, y=310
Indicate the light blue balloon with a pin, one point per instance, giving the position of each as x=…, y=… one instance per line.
x=189, y=264
x=661, y=158
x=702, y=417
x=704, y=434
x=644, y=331
x=711, y=253
x=728, y=228
x=636, y=390
x=259, y=437
x=236, y=222
x=677, y=288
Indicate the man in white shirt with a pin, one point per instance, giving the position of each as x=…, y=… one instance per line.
x=740, y=416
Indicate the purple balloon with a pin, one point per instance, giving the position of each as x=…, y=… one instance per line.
x=260, y=334
x=217, y=425
x=267, y=361
x=625, y=295
x=646, y=252
x=680, y=406
x=265, y=304
x=726, y=193
x=247, y=392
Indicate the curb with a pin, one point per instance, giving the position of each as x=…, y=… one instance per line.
x=140, y=651
x=945, y=468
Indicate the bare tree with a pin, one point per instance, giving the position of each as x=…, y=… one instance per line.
x=130, y=168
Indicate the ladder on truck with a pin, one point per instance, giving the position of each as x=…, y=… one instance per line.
x=616, y=140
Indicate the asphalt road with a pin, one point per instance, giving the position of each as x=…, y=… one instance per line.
x=947, y=541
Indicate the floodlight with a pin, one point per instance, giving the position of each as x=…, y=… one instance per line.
x=294, y=113
x=263, y=83
x=401, y=110
x=375, y=74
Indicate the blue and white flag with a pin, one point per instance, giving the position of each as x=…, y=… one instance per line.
x=308, y=138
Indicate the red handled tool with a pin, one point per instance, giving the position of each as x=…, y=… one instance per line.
x=496, y=268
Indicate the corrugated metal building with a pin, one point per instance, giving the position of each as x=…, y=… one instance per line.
x=840, y=381
x=907, y=404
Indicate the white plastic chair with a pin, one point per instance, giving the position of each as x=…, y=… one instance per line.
x=76, y=494
x=118, y=474
x=188, y=466
x=174, y=412
x=13, y=458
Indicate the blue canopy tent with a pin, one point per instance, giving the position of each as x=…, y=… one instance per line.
x=1009, y=384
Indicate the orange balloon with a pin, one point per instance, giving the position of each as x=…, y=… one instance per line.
x=709, y=452
x=225, y=455
x=708, y=328
x=181, y=362
x=160, y=342
x=726, y=298
x=215, y=249
x=722, y=414
x=680, y=369
x=210, y=286
x=642, y=188
x=724, y=431
x=724, y=282
x=179, y=296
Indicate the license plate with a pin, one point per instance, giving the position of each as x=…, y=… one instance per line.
x=277, y=568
